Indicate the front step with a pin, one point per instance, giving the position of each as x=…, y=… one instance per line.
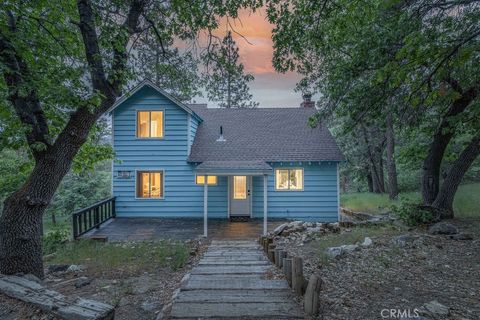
x=239, y=218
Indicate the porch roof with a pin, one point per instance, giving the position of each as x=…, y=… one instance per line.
x=227, y=168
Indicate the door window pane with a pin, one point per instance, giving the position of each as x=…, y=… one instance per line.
x=156, y=124
x=281, y=179
x=143, y=128
x=239, y=187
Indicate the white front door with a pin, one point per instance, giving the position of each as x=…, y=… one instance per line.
x=240, y=192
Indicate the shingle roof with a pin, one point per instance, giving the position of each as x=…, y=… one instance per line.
x=261, y=134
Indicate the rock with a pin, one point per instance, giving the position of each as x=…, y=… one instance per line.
x=75, y=268
x=434, y=308
x=57, y=267
x=443, y=228
x=461, y=236
x=334, y=252
x=33, y=278
x=367, y=242
x=278, y=230
x=82, y=282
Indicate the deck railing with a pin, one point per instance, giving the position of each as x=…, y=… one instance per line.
x=92, y=217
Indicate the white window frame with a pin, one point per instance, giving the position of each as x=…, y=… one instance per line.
x=289, y=169
x=150, y=117
x=136, y=184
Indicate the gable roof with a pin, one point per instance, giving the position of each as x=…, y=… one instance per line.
x=152, y=85
x=262, y=134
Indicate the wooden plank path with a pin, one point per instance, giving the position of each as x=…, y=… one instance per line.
x=230, y=283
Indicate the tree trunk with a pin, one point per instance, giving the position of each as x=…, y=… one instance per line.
x=442, y=137
x=444, y=200
x=391, y=166
x=369, y=181
x=21, y=219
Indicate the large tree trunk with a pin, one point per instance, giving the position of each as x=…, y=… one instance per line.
x=442, y=137
x=21, y=219
x=369, y=181
x=444, y=200
x=391, y=166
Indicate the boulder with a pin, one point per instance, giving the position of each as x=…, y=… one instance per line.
x=82, y=282
x=443, y=228
x=75, y=268
x=367, y=242
x=334, y=252
x=278, y=230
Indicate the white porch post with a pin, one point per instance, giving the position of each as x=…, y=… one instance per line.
x=205, y=208
x=265, y=180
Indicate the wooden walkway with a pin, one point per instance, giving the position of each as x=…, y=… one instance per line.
x=230, y=283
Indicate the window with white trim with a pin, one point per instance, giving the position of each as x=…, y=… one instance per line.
x=150, y=124
x=288, y=179
x=211, y=180
x=150, y=184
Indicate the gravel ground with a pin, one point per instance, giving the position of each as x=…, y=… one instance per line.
x=360, y=284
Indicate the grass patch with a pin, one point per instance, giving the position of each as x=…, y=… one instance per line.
x=129, y=256
x=357, y=235
x=465, y=205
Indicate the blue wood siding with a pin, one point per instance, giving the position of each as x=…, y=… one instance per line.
x=182, y=197
x=318, y=201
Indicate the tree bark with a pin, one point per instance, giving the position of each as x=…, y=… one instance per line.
x=442, y=137
x=444, y=201
x=391, y=166
x=21, y=219
x=369, y=181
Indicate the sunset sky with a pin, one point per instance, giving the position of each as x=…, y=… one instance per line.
x=270, y=89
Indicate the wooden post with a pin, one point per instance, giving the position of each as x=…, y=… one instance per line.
x=282, y=255
x=311, y=302
x=287, y=269
x=265, y=197
x=277, y=256
x=297, y=275
x=205, y=208
x=271, y=252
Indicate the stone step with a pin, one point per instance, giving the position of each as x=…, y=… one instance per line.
x=234, y=269
x=232, y=254
x=261, y=310
x=234, y=284
x=222, y=262
x=234, y=296
x=235, y=258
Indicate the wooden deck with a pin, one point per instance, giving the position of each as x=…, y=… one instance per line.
x=138, y=229
x=230, y=283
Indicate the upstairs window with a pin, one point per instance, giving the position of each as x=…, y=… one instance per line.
x=289, y=179
x=150, y=124
x=211, y=180
x=150, y=184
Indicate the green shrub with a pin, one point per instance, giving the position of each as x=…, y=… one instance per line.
x=54, y=239
x=413, y=214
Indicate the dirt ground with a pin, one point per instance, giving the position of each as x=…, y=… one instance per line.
x=360, y=284
x=135, y=296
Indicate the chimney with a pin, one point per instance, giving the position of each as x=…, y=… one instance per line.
x=221, y=138
x=307, y=101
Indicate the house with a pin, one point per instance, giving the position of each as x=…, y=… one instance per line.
x=176, y=160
